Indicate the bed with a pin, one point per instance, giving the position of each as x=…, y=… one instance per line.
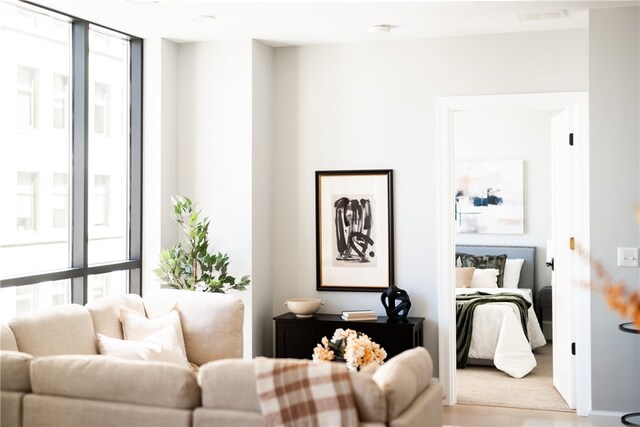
x=497, y=334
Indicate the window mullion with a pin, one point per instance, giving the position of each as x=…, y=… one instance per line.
x=80, y=158
x=135, y=164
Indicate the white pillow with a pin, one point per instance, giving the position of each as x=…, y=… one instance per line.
x=512, y=273
x=161, y=346
x=485, y=278
x=136, y=327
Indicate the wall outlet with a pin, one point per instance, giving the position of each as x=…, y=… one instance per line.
x=627, y=257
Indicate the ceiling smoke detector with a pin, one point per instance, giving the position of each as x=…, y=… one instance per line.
x=382, y=28
x=543, y=16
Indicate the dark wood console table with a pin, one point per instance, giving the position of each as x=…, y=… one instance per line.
x=297, y=337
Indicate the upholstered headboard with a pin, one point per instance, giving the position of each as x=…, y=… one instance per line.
x=528, y=253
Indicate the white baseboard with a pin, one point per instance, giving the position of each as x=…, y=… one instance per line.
x=607, y=417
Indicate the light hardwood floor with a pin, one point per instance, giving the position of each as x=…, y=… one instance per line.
x=471, y=415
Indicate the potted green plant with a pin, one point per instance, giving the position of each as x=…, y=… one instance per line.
x=188, y=264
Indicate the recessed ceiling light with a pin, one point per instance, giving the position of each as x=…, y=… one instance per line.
x=204, y=19
x=382, y=28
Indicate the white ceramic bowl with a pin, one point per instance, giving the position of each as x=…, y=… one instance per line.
x=303, y=307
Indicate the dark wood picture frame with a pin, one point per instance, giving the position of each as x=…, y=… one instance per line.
x=354, y=230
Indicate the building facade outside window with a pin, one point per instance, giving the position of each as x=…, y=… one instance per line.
x=70, y=231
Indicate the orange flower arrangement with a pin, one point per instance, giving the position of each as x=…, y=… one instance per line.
x=627, y=304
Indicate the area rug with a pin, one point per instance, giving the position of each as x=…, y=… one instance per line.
x=483, y=385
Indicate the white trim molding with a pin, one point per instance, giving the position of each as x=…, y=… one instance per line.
x=574, y=102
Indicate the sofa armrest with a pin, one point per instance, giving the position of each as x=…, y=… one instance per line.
x=239, y=389
x=115, y=380
x=425, y=410
x=7, y=339
x=14, y=371
x=403, y=378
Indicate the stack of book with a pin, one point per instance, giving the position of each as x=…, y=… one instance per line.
x=359, y=315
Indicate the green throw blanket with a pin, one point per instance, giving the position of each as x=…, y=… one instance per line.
x=465, y=308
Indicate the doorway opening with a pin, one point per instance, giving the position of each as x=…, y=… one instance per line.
x=476, y=114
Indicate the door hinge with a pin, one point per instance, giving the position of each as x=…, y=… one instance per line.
x=571, y=139
x=572, y=244
x=573, y=348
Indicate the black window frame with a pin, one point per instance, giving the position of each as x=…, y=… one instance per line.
x=79, y=271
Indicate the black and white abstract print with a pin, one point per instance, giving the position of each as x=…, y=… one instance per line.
x=354, y=234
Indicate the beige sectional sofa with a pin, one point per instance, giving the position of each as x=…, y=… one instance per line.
x=52, y=375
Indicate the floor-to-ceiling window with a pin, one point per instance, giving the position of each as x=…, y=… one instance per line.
x=70, y=160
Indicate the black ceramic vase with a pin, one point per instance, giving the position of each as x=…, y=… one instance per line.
x=396, y=302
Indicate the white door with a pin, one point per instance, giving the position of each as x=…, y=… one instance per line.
x=564, y=276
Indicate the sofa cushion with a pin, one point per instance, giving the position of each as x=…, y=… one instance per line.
x=14, y=370
x=403, y=377
x=63, y=329
x=241, y=396
x=370, y=400
x=105, y=313
x=212, y=323
x=161, y=346
x=7, y=339
x=53, y=411
x=11, y=404
x=115, y=380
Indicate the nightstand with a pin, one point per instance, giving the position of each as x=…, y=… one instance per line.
x=543, y=305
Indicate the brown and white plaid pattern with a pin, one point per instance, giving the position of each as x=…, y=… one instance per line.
x=298, y=393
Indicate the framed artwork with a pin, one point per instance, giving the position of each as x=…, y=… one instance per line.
x=489, y=197
x=354, y=230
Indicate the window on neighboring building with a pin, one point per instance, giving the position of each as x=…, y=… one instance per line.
x=27, y=201
x=60, y=200
x=27, y=97
x=101, y=110
x=64, y=233
x=101, y=193
x=60, y=101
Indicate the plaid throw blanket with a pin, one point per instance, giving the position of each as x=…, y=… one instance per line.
x=298, y=393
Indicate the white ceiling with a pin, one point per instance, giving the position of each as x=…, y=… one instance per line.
x=304, y=22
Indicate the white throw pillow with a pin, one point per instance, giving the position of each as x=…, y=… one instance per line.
x=136, y=327
x=485, y=278
x=512, y=273
x=161, y=346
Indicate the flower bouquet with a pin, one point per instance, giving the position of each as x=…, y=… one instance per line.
x=355, y=348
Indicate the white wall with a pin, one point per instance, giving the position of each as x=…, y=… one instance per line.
x=614, y=90
x=224, y=163
x=372, y=105
x=513, y=135
x=159, y=161
x=215, y=137
x=262, y=190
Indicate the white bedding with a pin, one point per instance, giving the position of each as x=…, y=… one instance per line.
x=497, y=333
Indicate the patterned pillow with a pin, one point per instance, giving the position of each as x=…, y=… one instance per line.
x=486, y=261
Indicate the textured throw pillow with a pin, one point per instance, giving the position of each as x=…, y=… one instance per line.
x=486, y=261
x=161, y=346
x=136, y=327
x=512, y=273
x=485, y=278
x=464, y=276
